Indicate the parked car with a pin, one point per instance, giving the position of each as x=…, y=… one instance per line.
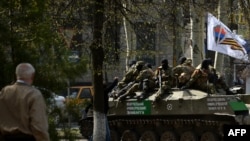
x=52, y=99
x=80, y=93
x=59, y=101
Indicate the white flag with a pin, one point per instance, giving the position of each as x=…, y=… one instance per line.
x=221, y=39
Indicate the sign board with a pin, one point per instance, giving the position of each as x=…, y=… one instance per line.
x=138, y=108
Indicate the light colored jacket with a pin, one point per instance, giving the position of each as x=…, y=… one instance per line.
x=23, y=109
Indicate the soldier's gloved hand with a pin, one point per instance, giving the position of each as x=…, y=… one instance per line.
x=183, y=87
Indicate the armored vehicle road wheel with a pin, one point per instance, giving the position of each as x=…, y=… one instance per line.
x=209, y=136
x=169, y=136
x=129, y=135
x=188, y=136
x=148, y=136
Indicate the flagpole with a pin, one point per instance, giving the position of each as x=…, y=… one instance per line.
x=216, y=53
x=215, y=59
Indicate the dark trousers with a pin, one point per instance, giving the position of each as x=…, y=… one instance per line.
x=17, y=137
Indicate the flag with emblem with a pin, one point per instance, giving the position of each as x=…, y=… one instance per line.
x=221, y=39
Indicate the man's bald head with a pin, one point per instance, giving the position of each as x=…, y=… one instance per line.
x=25, y=71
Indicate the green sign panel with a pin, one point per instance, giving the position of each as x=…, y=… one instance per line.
x=238, y=106
x=139, y=108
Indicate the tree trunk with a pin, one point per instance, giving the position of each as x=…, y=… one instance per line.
x=97, y=70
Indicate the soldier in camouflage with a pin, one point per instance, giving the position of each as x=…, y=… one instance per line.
x=131, y=74
x=148, y=81
x=177, y=70
x=164, y=77
x=188, y=70
x=144, y=81
x=199, y=79
x=129, y=78
x=183, y=72
x=216, y=78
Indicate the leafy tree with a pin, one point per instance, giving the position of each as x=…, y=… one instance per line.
x=245, y=4
x=29, y=34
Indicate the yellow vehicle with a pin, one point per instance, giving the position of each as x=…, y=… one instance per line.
x=78, y=99
x=80, y=94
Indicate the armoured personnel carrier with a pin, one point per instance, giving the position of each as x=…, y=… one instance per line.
x=183, y=115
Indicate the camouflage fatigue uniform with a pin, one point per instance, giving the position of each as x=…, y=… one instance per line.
x=166, y=83
x=218, y=81
x=144, y=81
x=129, y=77
x=186, y=74
x=199, y=81
x=177, y=70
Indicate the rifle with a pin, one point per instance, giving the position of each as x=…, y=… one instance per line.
x=124, y=89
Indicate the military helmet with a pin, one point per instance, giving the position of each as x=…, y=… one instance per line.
x=140, y=63
x=205, y=63
x=164, y=61
x=182, y=60
x=188, y=61
x=148, y=65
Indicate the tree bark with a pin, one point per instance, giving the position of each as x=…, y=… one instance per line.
x=97, y=72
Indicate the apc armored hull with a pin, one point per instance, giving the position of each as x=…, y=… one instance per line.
x=188, y=115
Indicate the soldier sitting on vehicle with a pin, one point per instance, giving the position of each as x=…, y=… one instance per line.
x=177, y=70
x=132, y=65
x=148, y=81
x=183, y=72
x=216, y=78
x=129, y=79
x=199, y=79
x=129, y=76
x=164, y=79
x=144, y=81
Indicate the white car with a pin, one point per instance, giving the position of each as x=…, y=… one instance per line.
x=53, y=100
x=55, y=104
x=59, y=101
